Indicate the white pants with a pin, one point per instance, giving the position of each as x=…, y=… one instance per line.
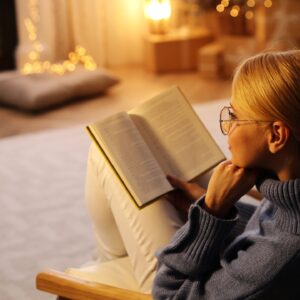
x=121, y=228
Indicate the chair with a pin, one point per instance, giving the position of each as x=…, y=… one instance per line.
x=68, y=287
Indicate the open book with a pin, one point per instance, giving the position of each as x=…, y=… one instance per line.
x=161, y=136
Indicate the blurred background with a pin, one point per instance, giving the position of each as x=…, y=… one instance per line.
x=147, y=44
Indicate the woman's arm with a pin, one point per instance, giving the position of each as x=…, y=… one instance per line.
x=198, y=265
x=198, y=257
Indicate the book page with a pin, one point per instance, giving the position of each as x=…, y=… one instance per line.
x=176, y=136
x=130, y=156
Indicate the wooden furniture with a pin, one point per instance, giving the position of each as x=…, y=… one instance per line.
x=210, y=60
x=175, y=51
x=71, y=288
x=222, y=57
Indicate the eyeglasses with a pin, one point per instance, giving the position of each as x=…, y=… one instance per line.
x=228, y=117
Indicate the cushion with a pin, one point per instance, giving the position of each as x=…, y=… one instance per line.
x=40, y=91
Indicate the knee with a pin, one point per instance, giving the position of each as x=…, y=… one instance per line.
x=95, y=158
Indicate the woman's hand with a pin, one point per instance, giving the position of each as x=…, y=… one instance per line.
x=186, y=194
x=192, y=190
x=227, y=184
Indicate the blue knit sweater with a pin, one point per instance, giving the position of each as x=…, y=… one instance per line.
x=236, y=258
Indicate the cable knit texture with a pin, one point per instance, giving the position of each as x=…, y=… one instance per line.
x=209, y=258
x=287, y=213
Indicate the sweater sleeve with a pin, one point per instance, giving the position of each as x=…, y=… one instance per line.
x=246, y=211
x=197, y=243
x=198, y=265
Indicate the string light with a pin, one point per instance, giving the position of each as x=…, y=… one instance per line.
x=249, y=15
x=235, y=9
x=220, y=8
x=225, y=3
x=251, y=3
x=35, y=65
x=268, y=3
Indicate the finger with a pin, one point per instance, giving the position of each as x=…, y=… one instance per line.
x=225, y=162
x=175, y=182
x=223, y=165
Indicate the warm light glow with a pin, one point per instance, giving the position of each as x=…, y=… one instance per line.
x=251, y=3
x=31, y=29
x=78, y=56
x=220, y=8
x=235, y=11
x=158, y=10
x=158, y=14
x=225, y=3
x=33, y=55
x=268, y=3
x=249, y=15
x=38, y=46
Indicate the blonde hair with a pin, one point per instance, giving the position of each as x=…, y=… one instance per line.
x=267, y=87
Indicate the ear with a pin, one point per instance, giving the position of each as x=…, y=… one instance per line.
x=278, y=136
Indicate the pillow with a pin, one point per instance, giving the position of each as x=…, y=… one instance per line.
x=40, y=91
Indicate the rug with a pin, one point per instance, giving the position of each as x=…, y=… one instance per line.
x=43, y=218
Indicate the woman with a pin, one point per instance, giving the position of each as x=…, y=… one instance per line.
x=222, y=253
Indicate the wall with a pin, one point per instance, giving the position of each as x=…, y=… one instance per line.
x=124, y=31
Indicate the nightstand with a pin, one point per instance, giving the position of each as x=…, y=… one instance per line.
x=175, y=51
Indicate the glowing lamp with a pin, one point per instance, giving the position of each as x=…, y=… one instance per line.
x=158, y=13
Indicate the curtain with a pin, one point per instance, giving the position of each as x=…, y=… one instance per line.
x=110, y=30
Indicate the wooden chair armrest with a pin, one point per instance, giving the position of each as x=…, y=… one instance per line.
x=70, y=287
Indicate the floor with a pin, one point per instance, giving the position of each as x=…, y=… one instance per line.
x=136, y=85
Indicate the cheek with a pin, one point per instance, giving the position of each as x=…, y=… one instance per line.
x=239, y=152
x=247, y=150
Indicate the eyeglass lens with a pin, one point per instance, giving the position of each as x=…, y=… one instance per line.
x=225, y=120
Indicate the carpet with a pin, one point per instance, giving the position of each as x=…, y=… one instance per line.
x=43, y=218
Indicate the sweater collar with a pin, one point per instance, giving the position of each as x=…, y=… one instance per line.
x=286, y=197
